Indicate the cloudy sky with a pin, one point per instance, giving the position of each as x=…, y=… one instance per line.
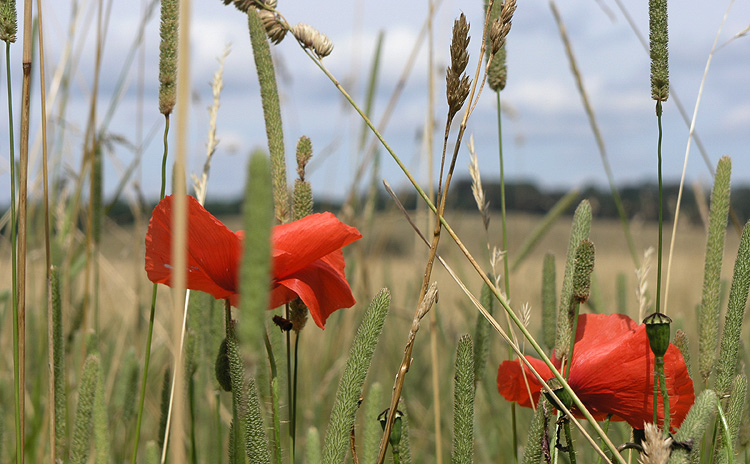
x=547, y=137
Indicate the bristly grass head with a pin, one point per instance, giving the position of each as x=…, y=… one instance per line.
x=8, y=21
x=659, y=39
x=170, y=13
x=457, y=86
x=656, y=447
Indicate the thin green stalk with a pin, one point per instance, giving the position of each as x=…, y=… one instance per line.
x=569, y=443
x=569, y=361
x=505, y=258
x=605, y=427
x=294, y=392
x=664, y=393
x=164, y=161
x=152, y=313
x=661, y=210
x=289, y=381
x=14, y=261
x=274, y=386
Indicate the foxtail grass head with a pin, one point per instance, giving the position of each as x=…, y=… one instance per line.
x=8, y=21
x=658, y=38
x=170, y=13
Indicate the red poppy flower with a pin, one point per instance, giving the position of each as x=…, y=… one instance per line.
x=307, y=259
x=611, y=372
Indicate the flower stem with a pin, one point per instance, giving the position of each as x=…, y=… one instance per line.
x=659, y=364
x=661, y=208
x=294, y=392
x=290, y=398
x=14, y=262
x=149, y=336
x=569, y=362
x=569, y=443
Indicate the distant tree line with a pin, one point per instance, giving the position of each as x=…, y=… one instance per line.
x=639, y=201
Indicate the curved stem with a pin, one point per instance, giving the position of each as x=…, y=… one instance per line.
x=661, y=212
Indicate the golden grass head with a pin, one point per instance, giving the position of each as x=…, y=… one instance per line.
x=457, y=86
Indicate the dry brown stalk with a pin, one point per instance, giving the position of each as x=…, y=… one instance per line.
x=175, y=420
x=429, y=299
x=22, y=202
x=47, y=252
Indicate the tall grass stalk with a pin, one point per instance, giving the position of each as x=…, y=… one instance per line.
x=597, y=133
x=20, y=354
x=51, y=386
x=167, y=98
x=179, y=239
x=10, y=22
x=687, y=155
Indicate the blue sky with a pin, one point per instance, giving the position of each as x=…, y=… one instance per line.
x=547, y=137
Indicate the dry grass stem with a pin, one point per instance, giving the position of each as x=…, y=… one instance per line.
x=685, y=161
x=641, y=291
x=217, y=84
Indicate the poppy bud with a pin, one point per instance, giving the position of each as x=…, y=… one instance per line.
x=658, y=331
x=222, y=367
x=561, y=396
x=395, y=437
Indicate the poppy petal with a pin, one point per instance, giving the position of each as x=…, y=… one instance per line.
x=320, y=286
x=300, y=243
x=511, y=383
x=616, y=375
x=612, y=373
x=618, y=378
x=213, y=250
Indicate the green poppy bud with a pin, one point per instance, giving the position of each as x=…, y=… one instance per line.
x=561, y=396
x=395, y=437
x=658, y=331
x=222, y=367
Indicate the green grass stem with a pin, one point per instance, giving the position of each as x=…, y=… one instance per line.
x=660, y=245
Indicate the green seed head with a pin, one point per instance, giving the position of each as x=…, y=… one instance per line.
x=658, y=332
